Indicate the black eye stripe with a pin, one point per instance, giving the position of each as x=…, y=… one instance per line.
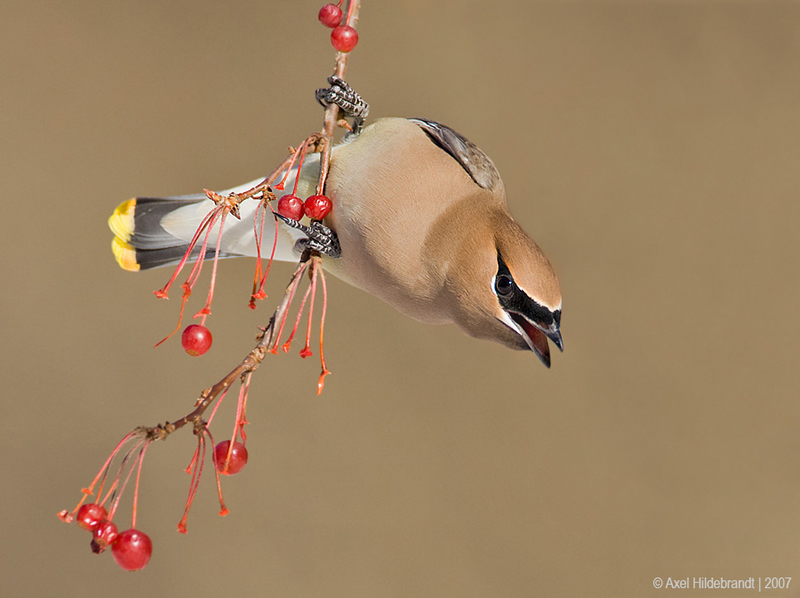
x=517, y=301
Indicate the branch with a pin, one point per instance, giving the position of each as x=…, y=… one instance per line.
x=268, y=340
x=130, y=451
x=332, y=111
x=250, y=363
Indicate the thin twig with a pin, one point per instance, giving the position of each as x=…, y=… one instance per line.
x=320, y=142
x=248, y=364
x=332, y=111
x=317, y=142
x=313, y=144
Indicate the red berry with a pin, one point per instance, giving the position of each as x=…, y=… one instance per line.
x=344, y=38
x=238, y=457
x=104, y=535
x=291, y=207
x=90, y=514
x=330, y=15
x=132, y=550
x=196, y=340
x=317, y=207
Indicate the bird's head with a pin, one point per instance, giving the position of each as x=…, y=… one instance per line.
x=505, y=290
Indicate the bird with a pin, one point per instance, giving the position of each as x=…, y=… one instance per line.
x=422, y=222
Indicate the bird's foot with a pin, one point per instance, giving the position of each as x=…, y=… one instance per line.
x=344, y=96
x=319, y=237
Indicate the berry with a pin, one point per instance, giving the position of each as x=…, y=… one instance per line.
x=238, y=457
x=104, y=535
x=330, y=15
x=291, y=207
x=344, y=38
x=132, y=550
x=317, y=207
x=90, y=514
x=196, y=340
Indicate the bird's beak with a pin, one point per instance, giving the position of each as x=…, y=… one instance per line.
x=536, y=336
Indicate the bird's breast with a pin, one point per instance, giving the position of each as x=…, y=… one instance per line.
x=387, y=264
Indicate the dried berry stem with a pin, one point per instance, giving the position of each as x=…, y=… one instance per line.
x=312, y=143
x=249, y=363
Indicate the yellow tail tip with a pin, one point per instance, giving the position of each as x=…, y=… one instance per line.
x=124, y=253
x=121, y=221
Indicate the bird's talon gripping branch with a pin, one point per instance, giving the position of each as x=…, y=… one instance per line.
x=346, y=98
x=319, y=237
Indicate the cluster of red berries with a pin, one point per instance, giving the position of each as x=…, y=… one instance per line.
x=131, y=549
x=343, y=37
x=315, y=207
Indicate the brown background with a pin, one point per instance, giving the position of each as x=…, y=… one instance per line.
x=652, y=150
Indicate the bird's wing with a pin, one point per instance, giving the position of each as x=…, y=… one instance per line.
x=477, y=164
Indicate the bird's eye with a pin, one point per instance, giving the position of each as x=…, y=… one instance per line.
x=504, y=285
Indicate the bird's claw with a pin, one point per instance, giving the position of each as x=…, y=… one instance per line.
x=344, y=96
x=319, y=237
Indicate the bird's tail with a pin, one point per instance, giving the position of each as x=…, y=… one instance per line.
x=156, y=231
x=141, y=240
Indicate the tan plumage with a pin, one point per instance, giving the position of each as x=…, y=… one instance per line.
x=422, y=220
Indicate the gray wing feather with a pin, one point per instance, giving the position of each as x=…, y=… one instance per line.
x=477, y=164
